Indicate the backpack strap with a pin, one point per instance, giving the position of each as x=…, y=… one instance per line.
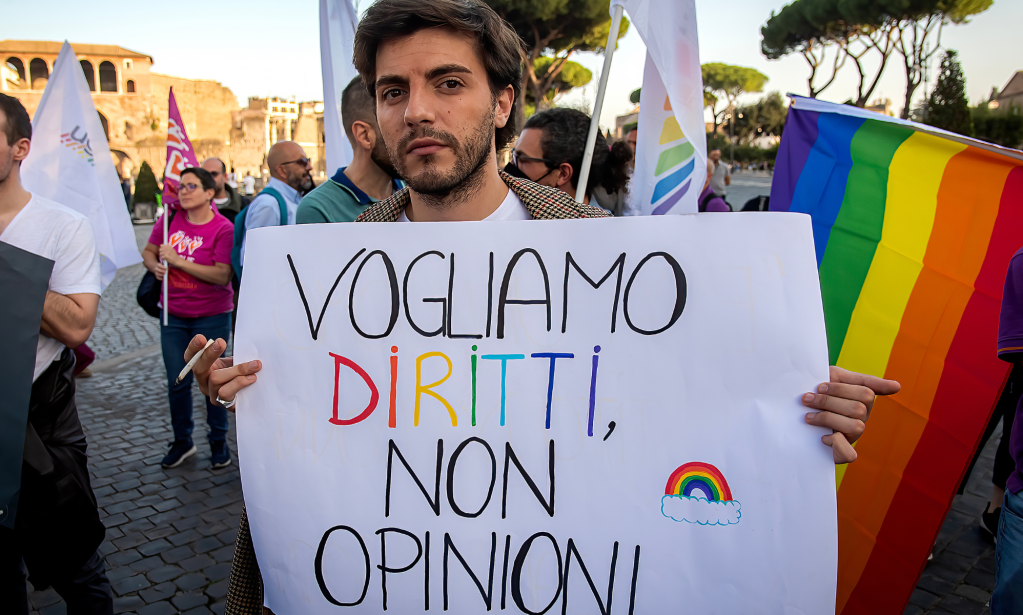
x=280, y=203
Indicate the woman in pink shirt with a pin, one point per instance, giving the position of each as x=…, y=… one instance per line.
x=200, y=300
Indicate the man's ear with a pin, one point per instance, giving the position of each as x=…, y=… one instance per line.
x=364, y=135
x=564, y=175
x=503, y=107
x=21, y=149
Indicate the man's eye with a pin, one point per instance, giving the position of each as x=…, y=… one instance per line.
x=392, y=93
x=451, y=84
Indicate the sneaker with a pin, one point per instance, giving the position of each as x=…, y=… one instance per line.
x=989, y=522
x=179, y=451
x=220, y=455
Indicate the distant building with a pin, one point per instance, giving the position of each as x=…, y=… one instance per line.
x=132, y=105
x=624, y=120
x=882, y=106
x=1011, y=94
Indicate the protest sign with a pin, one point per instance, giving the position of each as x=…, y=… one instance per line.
x=521, y=416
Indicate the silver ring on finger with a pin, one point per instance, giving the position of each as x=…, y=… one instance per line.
x=226, y=403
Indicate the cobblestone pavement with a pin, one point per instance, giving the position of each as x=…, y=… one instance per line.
x=121, y=325
x=170, y=533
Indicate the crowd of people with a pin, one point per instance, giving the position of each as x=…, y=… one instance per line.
x=421, y=63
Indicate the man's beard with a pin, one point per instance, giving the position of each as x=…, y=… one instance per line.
x=6, y=166
x=464, y=179
x=302, y=183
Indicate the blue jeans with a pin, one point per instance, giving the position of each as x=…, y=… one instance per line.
x=175, y=338
x=1008, y=595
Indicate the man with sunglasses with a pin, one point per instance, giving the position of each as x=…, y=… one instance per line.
x=290, y=177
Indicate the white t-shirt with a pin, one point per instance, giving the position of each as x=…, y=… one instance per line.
x=250, y=184
x=64, y=236
x=511, y=209
x=717, y=180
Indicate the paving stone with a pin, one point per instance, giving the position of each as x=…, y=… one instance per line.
x=130, y=584
x=960, y=605
x=158, y=608
x=973, y=593
x=217, y=572
x=189, y=600
x=123, y=604
x=177, y=554
x=983, y=580
x=146, y=564
x=199, y=610
x=196, y=563
x=923, y=599
x=164, y=573
x=154, y=547
x=204, y=545
x=163, y=591
x=193, y=580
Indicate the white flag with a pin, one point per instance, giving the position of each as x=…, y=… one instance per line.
x=337, y=35
x=671, y=149
x=70, y=163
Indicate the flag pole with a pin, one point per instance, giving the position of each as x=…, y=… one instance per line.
x=591, y=139
x=166, y=272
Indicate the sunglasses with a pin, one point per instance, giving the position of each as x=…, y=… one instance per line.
x=517, y=158
x=303, y=161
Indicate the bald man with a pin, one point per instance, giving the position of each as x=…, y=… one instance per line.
x=290, y=177
x=227, y=199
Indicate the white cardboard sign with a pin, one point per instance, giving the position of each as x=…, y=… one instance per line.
x=580, y=416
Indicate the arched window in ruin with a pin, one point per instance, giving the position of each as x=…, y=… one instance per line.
x=90, y=74
x=39, y=72
x=129, y=86
x=16, y=77
x=107, y=77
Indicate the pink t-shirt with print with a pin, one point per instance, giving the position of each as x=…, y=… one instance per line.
x=203, y=244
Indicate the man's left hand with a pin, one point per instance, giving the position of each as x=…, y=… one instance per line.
x=845, y=404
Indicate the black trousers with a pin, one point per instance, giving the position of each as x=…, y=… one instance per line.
x=57, y=529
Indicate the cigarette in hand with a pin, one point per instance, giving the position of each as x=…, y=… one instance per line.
x=192, y=363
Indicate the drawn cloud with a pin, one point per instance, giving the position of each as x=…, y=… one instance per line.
x=700, y=510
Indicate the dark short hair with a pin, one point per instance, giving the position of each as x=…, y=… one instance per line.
x=356, y=106
x=222, y=165
x=204, y=177
x=17, y=124
x=564, y=140
x=499, y=46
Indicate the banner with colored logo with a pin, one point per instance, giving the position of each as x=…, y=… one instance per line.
x=671, y=148
x=180, y=154
x=537, y=417
x=70, y=163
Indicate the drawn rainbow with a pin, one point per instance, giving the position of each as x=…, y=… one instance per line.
x=697, y=475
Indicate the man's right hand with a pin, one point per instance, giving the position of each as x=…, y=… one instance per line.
x=219, y=376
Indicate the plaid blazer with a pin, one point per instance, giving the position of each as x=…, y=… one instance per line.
x=245, y=594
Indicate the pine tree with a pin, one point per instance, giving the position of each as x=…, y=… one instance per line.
x=146, y=187
x=947, y=106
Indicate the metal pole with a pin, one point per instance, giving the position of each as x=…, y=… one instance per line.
x=731, y=134
x=591, y=139
x=166, y=273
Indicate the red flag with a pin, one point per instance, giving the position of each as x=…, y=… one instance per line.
x=180, y=154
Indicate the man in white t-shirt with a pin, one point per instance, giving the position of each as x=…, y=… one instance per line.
x=250, y=184
x=57, y=529
x=722, y=177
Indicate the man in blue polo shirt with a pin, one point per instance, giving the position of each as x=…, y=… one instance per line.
x=370, y=177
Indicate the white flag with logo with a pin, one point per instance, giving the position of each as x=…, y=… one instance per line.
x=337, y=35
x=671, y=148
x=70, y=163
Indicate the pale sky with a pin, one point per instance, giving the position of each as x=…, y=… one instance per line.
x=271, y=48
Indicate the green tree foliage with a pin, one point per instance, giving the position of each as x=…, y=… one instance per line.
x=572, y=75
x=146, y=187
x=730, y=82
x=556, y=29
x=1000, y=126
x=947, y=107
x=766, y=117
x=634, y=96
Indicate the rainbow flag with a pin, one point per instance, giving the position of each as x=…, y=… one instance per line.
x=914, y=229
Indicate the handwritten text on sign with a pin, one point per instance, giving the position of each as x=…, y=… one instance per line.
x=453, y=416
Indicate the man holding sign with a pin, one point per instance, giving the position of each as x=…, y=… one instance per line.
x=445, y=76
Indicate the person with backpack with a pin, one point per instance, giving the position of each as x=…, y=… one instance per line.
x=369, y=178
x=200, y=300
x=276, y=205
